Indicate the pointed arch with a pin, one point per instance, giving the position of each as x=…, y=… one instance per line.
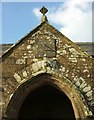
x=42, y=79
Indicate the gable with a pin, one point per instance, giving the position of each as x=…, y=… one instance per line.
x=26, y=59
x=45, y=39
x=47, y=33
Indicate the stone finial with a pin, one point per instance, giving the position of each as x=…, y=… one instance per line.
x=44, y=10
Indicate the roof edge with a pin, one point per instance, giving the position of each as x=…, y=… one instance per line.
x=2, y=58
x=10, y=50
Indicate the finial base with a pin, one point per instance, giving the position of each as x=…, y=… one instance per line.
x=44, y=18
x=44, y=10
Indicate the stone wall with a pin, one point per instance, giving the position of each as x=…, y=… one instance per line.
x=20, y=64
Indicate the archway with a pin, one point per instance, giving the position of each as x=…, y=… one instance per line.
x=35, y=84
x=46, y=103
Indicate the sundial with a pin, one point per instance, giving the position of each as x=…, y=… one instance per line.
x=46, y=47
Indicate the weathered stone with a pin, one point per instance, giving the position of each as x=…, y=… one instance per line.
x=88, y=75
x=82, y=79
x=20, y=61
x=78, y=83
x=29, y=47
x=29, y=51
x=70, y=71
x=32, y=42
x=24, y=73
x=73, y=59
x=83, y=85
x=85, y=70
x=89, y=93
x=66, y=46
x=17, y=77
x=83, y=59
x=63, y=52
x=76, y=79
x=86, y=89
x=62, y=69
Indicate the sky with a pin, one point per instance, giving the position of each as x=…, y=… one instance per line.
x=71, y=17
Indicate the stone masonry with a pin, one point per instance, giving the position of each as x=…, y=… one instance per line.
x=62, y=58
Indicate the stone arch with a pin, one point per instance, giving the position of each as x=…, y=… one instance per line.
x=80, y=109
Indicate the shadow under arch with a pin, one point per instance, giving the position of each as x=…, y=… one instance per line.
x=39, y=81
x=46, y=103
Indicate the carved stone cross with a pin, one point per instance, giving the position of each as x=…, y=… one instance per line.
x=43, y=10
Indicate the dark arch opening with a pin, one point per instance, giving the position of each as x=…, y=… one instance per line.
x=46, y=103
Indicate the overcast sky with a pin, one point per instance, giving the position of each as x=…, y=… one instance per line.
x=72, y=17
